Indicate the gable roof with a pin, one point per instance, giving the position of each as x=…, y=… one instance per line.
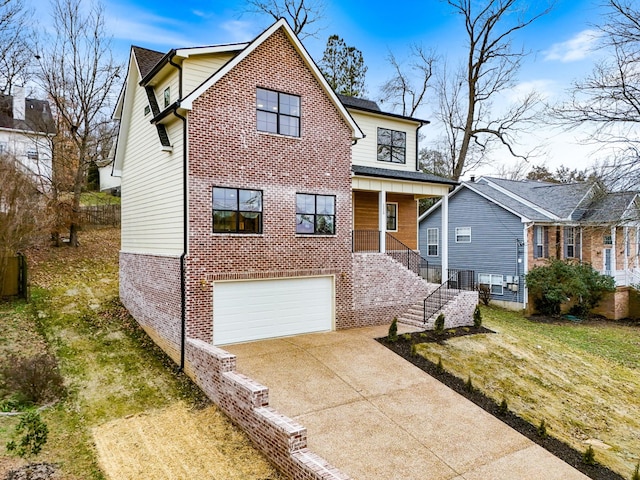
x=37, y=113
x=187, y=102
x=359, y=103
x=146, y=59
x=613, y=207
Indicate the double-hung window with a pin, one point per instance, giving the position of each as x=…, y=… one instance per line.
x=236, y=210
x=571, y=236
x=315, y=214
x=492, y=282
x=432, y=242
x=392, y=146
x=607, y=239
x=540, y=242
x=463, y=234
x=392, y=217
x=278, y=112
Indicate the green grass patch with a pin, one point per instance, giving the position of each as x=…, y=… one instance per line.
x=98, y=198
x=583, y=379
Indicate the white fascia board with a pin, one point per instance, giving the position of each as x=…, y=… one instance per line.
x=124, y=108
x=187, y=52
x=529, y=204
x=187, y=102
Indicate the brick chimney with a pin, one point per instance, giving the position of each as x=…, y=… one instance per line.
x=18, y=103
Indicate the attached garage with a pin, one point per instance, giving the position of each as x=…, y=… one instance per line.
x=253, y=310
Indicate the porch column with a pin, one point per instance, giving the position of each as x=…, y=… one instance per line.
x=382, y=219
x=445, y=238
x=613, y=253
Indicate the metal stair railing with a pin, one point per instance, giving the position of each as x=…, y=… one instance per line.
x=403, y=254
x=439, y=298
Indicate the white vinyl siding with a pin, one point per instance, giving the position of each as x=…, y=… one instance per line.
x=197, y=68
x=253, y=310
x=365, y=151
x=151, y=185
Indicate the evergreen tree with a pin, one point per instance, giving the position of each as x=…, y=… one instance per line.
x=343, y=67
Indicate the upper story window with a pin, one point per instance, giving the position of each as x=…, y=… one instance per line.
x=3, y=147
x=278, y=112
x=315, y=214
x=432, y=242
x=236, y=210
x=392, y=146
x=167, y=97
x=32, y=154
x=463, y=235
x=147, y=110
x=607, y=239
x=392, y=217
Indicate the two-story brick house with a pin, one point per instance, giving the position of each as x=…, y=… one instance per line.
x=248, y=186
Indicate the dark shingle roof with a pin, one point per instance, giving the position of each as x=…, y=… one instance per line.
x=612, y=207
x=508, y=202
x=37, y=113
x=361, y=103
x=147, y=59
x=561, y=199
x=400, y=175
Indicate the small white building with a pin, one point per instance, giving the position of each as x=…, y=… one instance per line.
x=26, y=129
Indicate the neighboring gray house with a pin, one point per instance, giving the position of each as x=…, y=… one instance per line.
x=501, y=229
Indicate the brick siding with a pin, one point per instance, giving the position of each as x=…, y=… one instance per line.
x=225, y=149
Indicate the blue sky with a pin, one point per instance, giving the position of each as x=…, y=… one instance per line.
x=559, y=42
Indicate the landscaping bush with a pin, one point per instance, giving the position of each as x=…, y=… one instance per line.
x=32, y=380
x=33, y=434
x=484, y=293
x=393, y=331
x=562, y=280
x=477, y=317
x=439, y=325
x=589, y=456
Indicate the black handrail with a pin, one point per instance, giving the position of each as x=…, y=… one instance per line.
x=403, y=254
x=458, y=281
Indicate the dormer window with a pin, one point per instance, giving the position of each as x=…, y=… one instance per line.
x=278, y=112
x=392, y=146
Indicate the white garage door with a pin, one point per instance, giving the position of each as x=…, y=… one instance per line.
x=257, y=309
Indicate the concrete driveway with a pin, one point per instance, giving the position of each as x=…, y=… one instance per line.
x=375, y=416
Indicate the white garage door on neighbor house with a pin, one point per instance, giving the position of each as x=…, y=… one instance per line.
x=253, y=310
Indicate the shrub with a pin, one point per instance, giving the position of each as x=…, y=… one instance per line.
x=484, y=293
x=34, y=433
x=542, y=429
x=407, y=337
x=503, y=408
x=589, y=456
x=414, y=350
x=562, y=280
x=393, y=331
x=439, y=325
x=34, y=379
x=469, y=385
x=477, y=317
x=440, y=367
x=636, y=473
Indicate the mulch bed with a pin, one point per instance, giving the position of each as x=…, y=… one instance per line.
x=560, y=449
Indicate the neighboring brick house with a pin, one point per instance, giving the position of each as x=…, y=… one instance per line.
x=502, y=228
x=26, y=128
x=270, y=219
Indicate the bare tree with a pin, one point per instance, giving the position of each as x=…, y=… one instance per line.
x=15, y=54
x=490, y=68
x=406, y=90
x=21, y=210
x=79, y=75
x=608, y=100
x=303, y=15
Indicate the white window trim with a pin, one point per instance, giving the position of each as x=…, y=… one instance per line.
x=387, y=218
x=490, y=283
x=437, y=243
x=463, y=235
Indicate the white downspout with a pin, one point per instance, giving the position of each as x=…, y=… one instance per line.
x=445, y=238
x=382, y=219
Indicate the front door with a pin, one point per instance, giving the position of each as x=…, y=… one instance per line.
x=607, y=262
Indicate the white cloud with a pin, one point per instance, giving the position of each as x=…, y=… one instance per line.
x=574, y=49
x=544, y=88
x=239, y=31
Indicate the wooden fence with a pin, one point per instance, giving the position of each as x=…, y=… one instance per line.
x=100, y=215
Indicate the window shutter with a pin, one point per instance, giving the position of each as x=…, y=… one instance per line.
x=578, y=253
x=546, y=242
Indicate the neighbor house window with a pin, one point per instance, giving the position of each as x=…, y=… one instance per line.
x=3, y=147
x=392, y=146
x=540, y=242
x=236, y=210
x=392, y=217
x=167, y=97
x=607, y=239
x=571, y=242
x=432, y=242
x=463, y=235
x=492, y=282
x=32, y=154
x=315, y=214
x=278, y=112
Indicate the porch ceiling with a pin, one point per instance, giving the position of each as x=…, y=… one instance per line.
x=417, y=189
